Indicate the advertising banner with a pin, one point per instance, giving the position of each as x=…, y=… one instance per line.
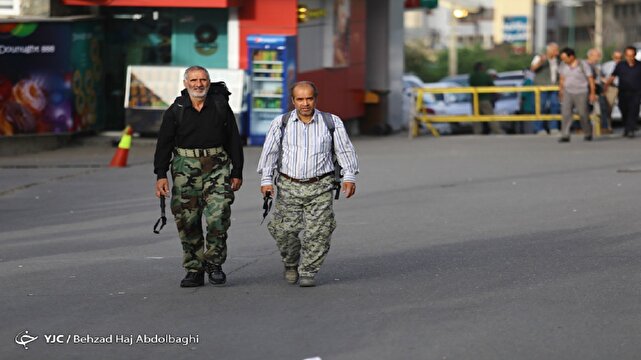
x=41, y=87
x=515, y=32
x=35, y=86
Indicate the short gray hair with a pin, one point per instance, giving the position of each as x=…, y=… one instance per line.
x=196, y=68
x=593, y=52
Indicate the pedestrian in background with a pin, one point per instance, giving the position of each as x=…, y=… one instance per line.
x=610, y=92
x=546, y=73
x=629, y=74
x=480, y=77
x=576, y=88
x=527, y=104
x=200, y=130
x=598, y=110
x=300, y=147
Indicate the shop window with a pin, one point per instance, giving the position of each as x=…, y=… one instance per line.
x=143, y=38
x=132, y=37
x=617, y=10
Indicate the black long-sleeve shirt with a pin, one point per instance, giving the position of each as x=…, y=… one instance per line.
x=198, y=130
x=629, y=76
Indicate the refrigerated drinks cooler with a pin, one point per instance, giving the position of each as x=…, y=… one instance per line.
x=272, y=70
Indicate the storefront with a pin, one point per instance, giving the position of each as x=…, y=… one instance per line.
x=331, y=41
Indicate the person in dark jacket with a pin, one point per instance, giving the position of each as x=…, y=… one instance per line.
x=629, y=74
x=199, y=139
x=480, y=77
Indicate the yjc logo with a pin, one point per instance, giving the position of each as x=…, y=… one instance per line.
x=24, y=338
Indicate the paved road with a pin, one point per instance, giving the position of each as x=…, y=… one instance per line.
x=507, y=247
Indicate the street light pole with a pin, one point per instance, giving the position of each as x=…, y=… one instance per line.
x=598, y=25
x=452, y=55
x=571, y=36
x=540, y=21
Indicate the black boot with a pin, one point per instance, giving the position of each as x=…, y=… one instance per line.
x=193, y=279
x=216, y=274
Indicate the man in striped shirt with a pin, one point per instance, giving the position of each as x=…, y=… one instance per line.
x=301, y=152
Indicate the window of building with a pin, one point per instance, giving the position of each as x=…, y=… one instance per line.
x=618, y=10
x=9, y=7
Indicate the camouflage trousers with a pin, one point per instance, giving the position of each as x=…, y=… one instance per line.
x=201, y=187
x=305, y=208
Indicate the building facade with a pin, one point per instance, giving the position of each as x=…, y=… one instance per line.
x=334, y=45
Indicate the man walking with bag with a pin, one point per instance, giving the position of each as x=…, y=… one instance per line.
x=576, y=89
x=199, y=130
x=301, y=145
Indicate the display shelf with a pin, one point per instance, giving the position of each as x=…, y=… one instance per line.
x=277, y=110
x=270, y=71
x=274, y=96
x=267, y=79
x=267, y=62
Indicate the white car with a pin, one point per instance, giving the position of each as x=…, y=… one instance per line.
x=431, y=104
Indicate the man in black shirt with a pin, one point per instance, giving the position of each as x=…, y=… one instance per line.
x=200, y=130
x=629, y=74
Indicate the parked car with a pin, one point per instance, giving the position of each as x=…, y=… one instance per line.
x=461, y=79
x=430, y=103
x=508, y=103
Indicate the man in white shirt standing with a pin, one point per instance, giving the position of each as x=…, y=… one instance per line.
x=546, y=71
x=300, y=146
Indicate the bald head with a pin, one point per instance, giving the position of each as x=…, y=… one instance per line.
x=300, y=84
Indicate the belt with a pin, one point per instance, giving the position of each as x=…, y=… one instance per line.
x=198, y=152
x=307, y=181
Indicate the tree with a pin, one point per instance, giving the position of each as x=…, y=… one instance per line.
x=432, y=66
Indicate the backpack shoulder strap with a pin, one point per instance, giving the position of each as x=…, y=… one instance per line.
x=329, y=122
x=283, y=124
x=220, y=103
x=179, y=110
x=581, y=66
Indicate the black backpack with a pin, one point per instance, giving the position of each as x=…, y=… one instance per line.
x=329, y=122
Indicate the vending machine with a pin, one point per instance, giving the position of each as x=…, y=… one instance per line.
x=272, y=70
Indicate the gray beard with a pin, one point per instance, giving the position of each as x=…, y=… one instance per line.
x=192, y=94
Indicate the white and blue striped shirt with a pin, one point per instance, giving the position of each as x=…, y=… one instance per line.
x=306, y=149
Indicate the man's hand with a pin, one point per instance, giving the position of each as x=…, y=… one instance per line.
x=162, y=188
x=592, y=98
x=236, y=183
x=349, y=188
x=265, y=188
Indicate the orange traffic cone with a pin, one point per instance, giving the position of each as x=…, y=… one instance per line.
x=120, y=157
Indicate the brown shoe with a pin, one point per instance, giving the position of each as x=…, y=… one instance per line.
x=291, y=274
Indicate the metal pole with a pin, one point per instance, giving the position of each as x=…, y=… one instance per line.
x=571, y=37
x=452, y=57
x=540, y=35
x=598, y=25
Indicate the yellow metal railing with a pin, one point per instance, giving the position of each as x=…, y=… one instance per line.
x=419, y=115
